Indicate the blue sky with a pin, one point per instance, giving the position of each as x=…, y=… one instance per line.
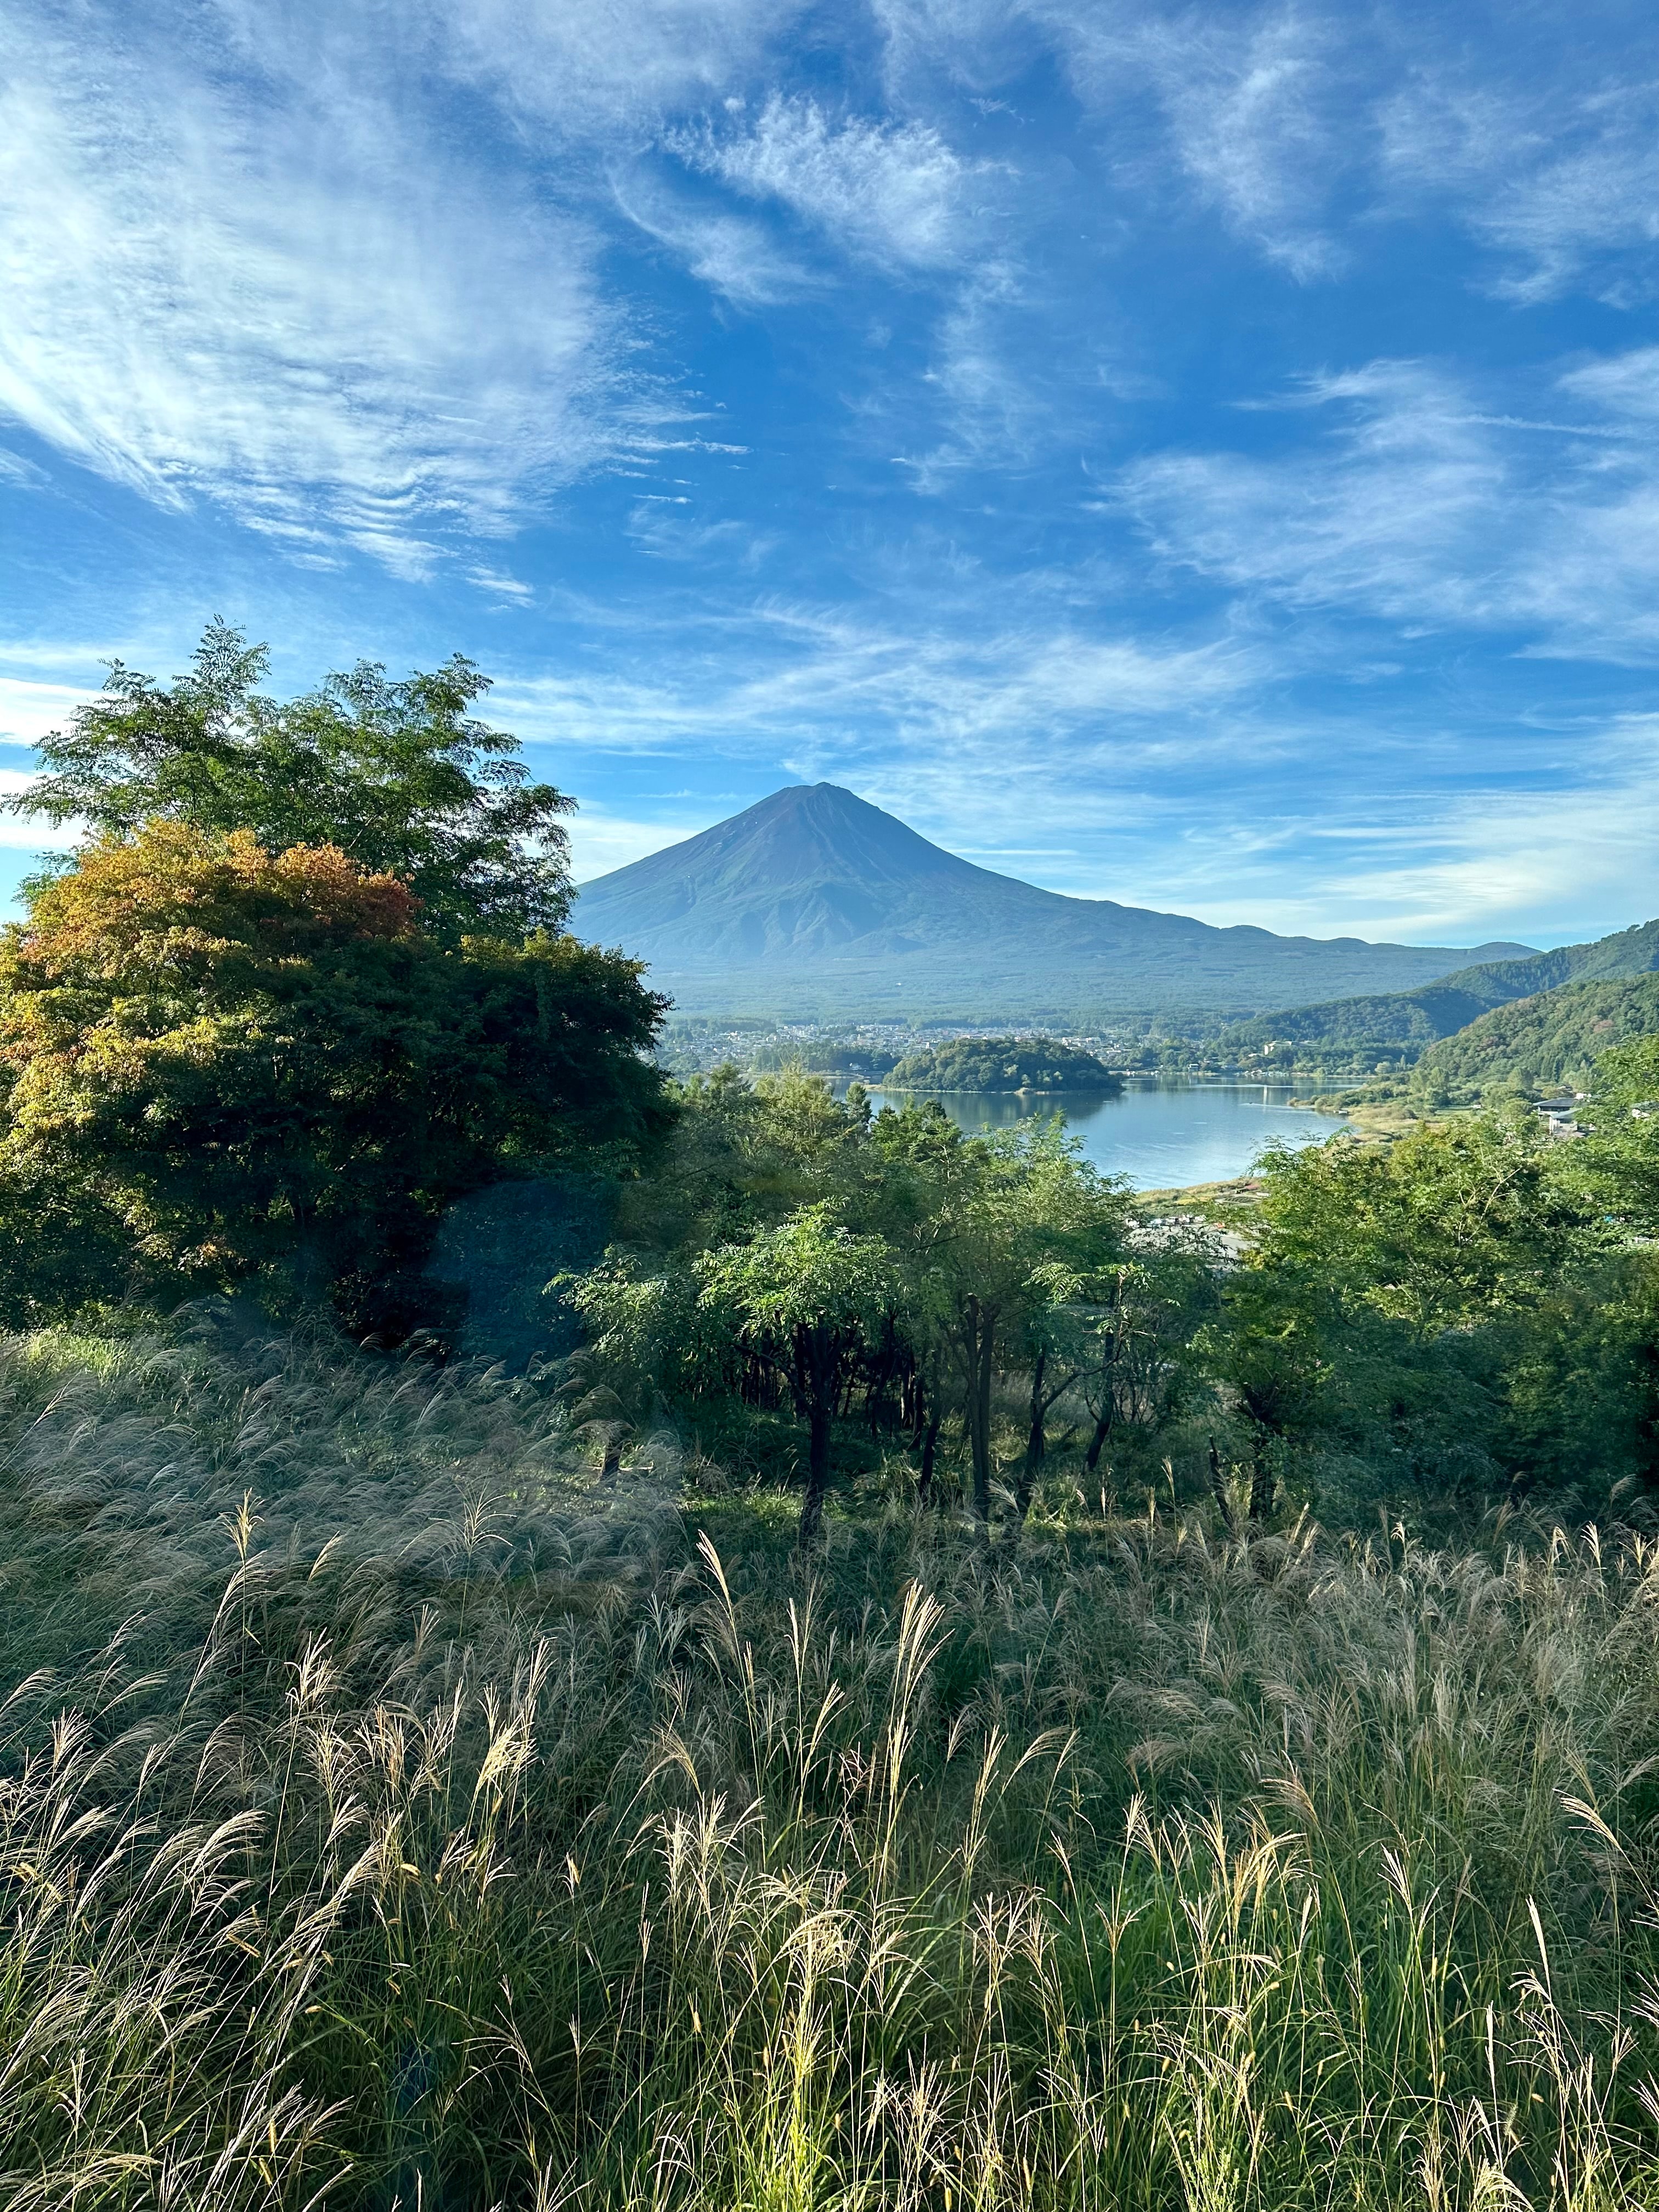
x=1201, y=456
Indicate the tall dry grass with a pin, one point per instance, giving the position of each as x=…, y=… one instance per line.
x=390, y=1816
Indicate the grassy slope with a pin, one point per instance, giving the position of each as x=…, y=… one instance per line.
x=458, y=1835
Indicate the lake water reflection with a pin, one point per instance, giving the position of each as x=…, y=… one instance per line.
x=1160, y=1133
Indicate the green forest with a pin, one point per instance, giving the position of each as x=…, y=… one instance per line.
x=1001, y=1064
x=1386, y=1034
x=931, y=1685
x=1551, y=1040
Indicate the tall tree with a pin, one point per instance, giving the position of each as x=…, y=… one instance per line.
x=1621, y=1157
x=1383, y=1286
x=1153, y=1302
x=399, y=776
x=1456, y=1221
x=235, y=1060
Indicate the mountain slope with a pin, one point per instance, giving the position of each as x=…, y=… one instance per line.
x=815, y=905
x=1552, y=1038
x=1417, y=1018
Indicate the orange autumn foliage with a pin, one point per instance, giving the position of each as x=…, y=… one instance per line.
x=220, y=1059
x=172, y=898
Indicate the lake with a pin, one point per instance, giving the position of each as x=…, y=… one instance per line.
x=1160, y=1131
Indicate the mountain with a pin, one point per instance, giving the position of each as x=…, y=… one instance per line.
x=816, y=906
x=1554, y=1038
x=1414, y=1019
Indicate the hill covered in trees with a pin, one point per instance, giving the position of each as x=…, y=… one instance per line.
x=814, y=905
x=1396, y=1027
x=1001, y=1064
x=1554, y=1038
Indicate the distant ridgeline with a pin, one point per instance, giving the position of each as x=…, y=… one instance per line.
x=989, y=1064
x=1396, y=1029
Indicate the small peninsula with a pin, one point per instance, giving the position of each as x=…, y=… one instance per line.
x=1002, y=1063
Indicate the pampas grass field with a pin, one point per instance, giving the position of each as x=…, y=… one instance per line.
x=393, y=1812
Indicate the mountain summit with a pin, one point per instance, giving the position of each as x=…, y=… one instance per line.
x=814, y=905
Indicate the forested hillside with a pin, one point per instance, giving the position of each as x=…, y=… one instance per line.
x=1001, y=1064
x=1394, y=1027
x=1554, y=1038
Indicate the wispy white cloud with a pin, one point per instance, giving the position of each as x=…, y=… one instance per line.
x=1423, y=505
x=1394, y=509
x=1561, y=178
x=508, y=591
x=834, y=688
x=893, y=192
x=1626, y=384
x=1549, y=863
x=283, y=295
x=590, y=72
x=30, y=708
x=1257, y=104
x=20, y=474
x=991, y=403
x=21, y=833
x=1258, y=123
x=730, y=253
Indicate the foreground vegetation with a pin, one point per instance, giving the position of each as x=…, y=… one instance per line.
x=442, y=1829
x=936, y=1686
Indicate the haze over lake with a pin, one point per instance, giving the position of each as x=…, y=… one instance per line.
x=1160, y=1133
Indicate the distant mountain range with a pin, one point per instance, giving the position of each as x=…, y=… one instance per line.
x=816, y=906
x=1418, y=1018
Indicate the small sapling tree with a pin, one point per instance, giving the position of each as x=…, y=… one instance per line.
x=803, y=1299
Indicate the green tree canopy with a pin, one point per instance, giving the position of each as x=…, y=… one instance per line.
x=399, y=776
x=803, y=1299
x=1621, y=1156
x=1456, y=1222
x=229, y=1061
x=1011, y=1226
x=999, y=1064
x=1387, y=1291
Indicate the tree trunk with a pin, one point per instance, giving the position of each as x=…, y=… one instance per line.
x=984, y=1342
x=1097, y=1442
x=1036, y=1440
x=1263, y=1482
x=1111, y=1354
x=817, y=1473
x=929, y=1452
x=1218, y=1485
